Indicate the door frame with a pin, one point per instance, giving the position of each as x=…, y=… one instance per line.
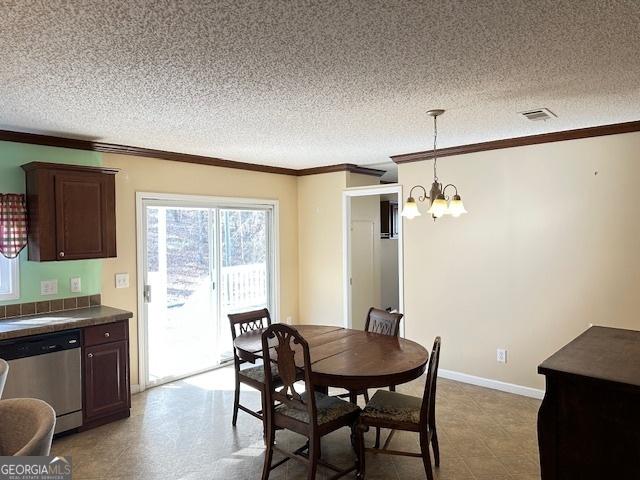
x=198, y=201
x=347, y=195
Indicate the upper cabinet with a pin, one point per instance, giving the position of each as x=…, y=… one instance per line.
x=388, y=219
x=72, y=211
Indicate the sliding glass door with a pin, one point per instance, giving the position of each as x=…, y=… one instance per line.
x=245, y=275
x=202, y=261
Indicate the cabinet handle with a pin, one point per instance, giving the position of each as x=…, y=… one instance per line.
x=107, y=334
x=61, y=254
x=90, y=355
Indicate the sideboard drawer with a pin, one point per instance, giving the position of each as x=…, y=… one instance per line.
x=109, y=332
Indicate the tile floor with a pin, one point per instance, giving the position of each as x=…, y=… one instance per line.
x=183, y=430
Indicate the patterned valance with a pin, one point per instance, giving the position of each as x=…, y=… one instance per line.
x=13, y=224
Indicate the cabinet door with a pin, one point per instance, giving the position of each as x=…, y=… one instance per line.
x=385, y=219
x=85, y=215
x=106, y=377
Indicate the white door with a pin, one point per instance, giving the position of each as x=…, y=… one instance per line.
x=363, y=287
x=201, y=262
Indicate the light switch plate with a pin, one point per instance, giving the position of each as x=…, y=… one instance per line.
x=48, y=287
x=75, y=284
x=122, y=280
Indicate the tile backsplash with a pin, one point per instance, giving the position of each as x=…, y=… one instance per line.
x=32, y=308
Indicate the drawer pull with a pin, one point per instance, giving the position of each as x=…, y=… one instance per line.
x=90, y=355
x=106, y=334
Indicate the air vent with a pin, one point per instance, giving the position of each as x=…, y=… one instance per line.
x=538, y=114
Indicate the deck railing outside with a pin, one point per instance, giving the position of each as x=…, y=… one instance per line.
x=244, y=286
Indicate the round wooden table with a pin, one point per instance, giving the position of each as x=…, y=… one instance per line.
x=350, y=359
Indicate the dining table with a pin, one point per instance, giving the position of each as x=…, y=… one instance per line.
x=346, y=358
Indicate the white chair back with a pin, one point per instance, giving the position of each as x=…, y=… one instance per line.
x=4, y=371
x=26, y=427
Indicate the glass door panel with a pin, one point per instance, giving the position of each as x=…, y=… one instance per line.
x=181, y=315
x=244, y=265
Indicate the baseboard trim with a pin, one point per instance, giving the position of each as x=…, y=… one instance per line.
x=494, y=384
x=135, y=389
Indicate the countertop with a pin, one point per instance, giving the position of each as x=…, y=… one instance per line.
x=603, y=353
x=56, y=321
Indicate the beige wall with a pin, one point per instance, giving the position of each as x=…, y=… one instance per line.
x=151, y=175
x=320, y=248
x=547, y=248
x=389, y=294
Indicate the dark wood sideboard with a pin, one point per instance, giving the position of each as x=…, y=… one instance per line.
x=589, y=420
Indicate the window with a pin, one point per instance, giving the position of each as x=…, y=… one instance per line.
x=9, y=283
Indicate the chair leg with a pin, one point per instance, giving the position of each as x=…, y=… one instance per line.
x=268, y=454
x=436, y=448
x=392, y=388
x=360, y=429
x=314, y=456
x=264, y=417
x=377, y=444
x=366, y=396
x=426, y=457
x=354, y=444
x=236, y=402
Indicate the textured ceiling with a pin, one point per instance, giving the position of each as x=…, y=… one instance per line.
x=308, y=83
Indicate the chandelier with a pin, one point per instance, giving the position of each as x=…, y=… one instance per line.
x=439, y=202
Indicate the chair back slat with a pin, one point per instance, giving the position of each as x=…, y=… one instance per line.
x=283, y=346
x=383, y=322
x=428, y=410
x=247, y=321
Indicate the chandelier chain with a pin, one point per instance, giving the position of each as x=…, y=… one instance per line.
x=435, y=151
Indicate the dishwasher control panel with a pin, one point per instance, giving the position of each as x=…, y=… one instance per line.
x=39, y=344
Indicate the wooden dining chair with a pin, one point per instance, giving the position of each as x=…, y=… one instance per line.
x=384, y=323
x=396, y=411
x=253, y=376
x=311, y=414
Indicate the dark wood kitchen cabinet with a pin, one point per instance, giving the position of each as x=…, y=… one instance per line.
x=107, y=392
x=72, y=211
x=388, y=219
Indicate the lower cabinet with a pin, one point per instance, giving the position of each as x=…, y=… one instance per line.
x=107, y=394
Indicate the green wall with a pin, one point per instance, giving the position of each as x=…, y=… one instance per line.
x=12, y=155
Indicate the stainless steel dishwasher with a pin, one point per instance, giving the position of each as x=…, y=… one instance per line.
x=47, y=367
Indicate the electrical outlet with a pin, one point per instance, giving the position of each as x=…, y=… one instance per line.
x=289, y=320
x=501, y=355
x=122, y=280
x=75, y=284
x=48, y=287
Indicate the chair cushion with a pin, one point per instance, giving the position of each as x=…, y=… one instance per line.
x=257, y=373
x=328, y=408
x=394, y=407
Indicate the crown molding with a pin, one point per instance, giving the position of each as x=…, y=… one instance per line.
x=341, y=167
x=576, y=134
x=63, y=142
x=88, y=145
